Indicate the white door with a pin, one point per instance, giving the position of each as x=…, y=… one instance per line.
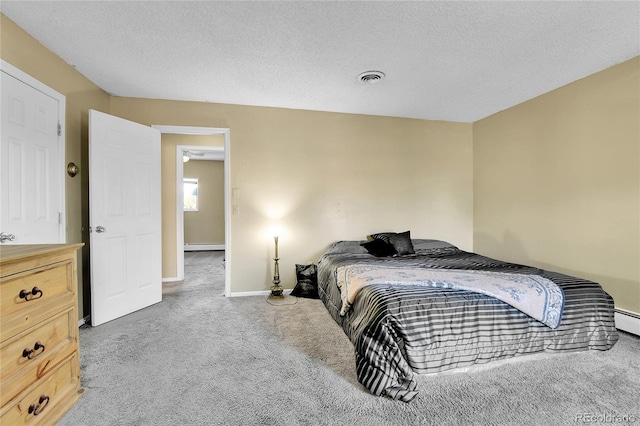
x=124, y=216
x=31, y=165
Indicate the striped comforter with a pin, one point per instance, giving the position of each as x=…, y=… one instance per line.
x=402, y=330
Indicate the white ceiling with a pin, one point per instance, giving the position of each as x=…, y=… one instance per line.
x=457, y=61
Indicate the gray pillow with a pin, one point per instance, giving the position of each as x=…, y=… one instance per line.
x=423, y=244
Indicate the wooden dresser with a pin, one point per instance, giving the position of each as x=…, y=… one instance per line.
x=39, y=364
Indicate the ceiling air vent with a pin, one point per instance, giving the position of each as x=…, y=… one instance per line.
x=371, y=77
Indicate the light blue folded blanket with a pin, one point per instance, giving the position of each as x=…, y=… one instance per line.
x=536, y=296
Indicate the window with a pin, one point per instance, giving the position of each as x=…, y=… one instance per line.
x=190, y=195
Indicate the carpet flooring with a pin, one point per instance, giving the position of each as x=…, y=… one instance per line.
x=198, y=358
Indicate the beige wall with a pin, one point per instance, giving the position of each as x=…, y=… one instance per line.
x=22, y=51
x=169, y=210
x=557, y=182
x=324, y=177
x=206, y=226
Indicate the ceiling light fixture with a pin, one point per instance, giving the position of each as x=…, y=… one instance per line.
x=187, y=155
x=371, y=77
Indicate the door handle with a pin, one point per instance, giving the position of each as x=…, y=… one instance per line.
x=6, y=237
x=100, y=229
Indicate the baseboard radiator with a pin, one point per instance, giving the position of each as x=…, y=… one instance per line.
x=203, y=247
x=627, y=321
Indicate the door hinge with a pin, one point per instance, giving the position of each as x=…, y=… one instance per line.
x=59, y=218
x=59, y=129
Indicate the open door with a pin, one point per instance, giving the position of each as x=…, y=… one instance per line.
x=124, y=216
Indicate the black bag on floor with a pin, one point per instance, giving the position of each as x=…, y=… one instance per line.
x=307, y=282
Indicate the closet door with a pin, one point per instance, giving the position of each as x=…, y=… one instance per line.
x=31, y=161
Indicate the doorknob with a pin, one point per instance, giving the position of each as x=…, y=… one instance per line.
x=6, y=237
x=100, y=229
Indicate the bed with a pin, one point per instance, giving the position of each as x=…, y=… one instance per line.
x=400, y=329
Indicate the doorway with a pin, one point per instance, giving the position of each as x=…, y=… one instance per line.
x=223, y=154
x=203, y=186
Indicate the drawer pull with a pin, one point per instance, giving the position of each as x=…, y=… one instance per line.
x=42, y=404
x=31, y=295
x=33, y=353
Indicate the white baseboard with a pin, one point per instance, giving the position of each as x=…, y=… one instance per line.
x=203, y=247
x=84, y=320
x=255, y=293
x=170, y=280
x=627, y=321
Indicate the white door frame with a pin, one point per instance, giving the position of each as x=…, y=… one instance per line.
x=225, y=156
x=36, y=84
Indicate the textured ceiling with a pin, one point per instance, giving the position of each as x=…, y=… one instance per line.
x=457, y=61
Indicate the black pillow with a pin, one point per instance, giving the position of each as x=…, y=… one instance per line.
x=379, y=248
x=401, y=242
x=307, y=282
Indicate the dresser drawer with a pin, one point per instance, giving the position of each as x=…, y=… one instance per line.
x=47, y=400
x=29, y=297
x=33, y=353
